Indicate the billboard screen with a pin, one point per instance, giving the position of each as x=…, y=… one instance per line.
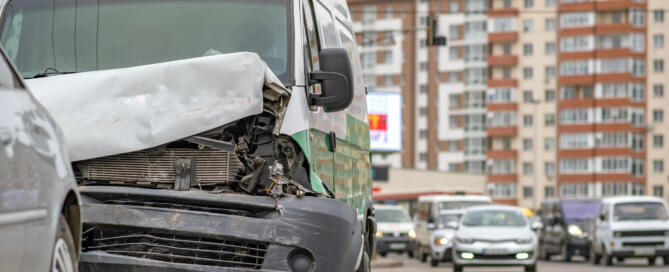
x=385, y=121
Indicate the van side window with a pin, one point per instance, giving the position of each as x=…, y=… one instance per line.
x=326, y=26
x=8, y=78
x=312, y=49
x=604, y=213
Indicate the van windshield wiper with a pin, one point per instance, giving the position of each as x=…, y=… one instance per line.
x=49, y=71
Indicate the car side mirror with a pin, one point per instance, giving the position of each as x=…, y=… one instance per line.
x=601, y=217
x=536, y=226
x=336, y=79
x=452, y=225
x=431, y=226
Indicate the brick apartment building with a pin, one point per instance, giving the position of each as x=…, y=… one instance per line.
x=548, y=98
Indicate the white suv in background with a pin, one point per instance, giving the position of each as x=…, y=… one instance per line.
x=629, y=227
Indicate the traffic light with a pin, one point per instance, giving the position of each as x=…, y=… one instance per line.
x=432, y=38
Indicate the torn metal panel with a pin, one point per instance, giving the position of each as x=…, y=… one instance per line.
x=116, y=111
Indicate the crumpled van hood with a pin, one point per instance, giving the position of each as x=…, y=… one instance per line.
x=116, y=111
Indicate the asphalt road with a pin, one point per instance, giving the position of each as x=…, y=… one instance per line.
x=577, y=265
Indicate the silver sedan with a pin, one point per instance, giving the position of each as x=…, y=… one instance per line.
x=494, y=235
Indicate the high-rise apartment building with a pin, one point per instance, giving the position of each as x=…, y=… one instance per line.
x=548, y=98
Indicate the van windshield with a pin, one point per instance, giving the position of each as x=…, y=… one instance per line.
x=639, y=211
x=460, y=205
x=580, y=210
x=86, y=35
x=391, y=216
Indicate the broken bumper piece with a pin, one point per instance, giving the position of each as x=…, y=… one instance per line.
x=134, y=229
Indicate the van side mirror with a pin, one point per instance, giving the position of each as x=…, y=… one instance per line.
x=536, y=226
x=452, y=225
x=601, y=217
x=336, y=79
x=431, y=226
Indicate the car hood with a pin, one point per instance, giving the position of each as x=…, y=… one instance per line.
x=640, y=225
x=394, y=227
x=116, y=111
x=494, y=233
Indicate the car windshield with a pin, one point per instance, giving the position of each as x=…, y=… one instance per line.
x=392, y=216
x=88, y=35
x=457, y=205
x=496, y=218
x=639, y=211
x=444, y=219
x=580, y=210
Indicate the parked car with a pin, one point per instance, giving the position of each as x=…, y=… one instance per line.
x=495, y=235
x=395, y=230
x=235, y=137
x=427, y=211
x=40, y=225
x=564, y=227
x=631, y=227
x=441, y=242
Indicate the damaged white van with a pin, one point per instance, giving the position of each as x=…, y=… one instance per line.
x=206, y=135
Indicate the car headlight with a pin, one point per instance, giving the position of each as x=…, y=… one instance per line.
x=379, y=234
x=412, y=234
x=574, y=230
x=465, y=240
x=523, y=240
x=441, y=240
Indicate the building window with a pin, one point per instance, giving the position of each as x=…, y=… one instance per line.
x=550, y=48
x=528, y=169
x=658, y=66
x=614, y=164
x=527, y=97
x=453, y=100
x=388, y=80
x=422, y=157
x=549, y=144
x=527, y=120
x=658, y=16
x=574, y=190
x=637, y=141
x=422, y=66
x=658, y=40
x=453, y=31
x=658, y=90
x=577, y=43
x=658, y=191
x=549, y=192
x=454, y=6
x=500, y=95
x=368, y=15
x=506, y=48
x=637, y=17
x=452, y=167
x=528, y=26
x=529, y=3
x=616, y=17
x=658, y=116
x=550, y=24
x=528, y=73
x=422, y=89
x=574, y=116
x=506, y=72
x=453, y=122
x=550, y=72
x=453, y=77
x=453, y=53
x=577, y=19
x=389, y=12
x=503, y=167
x=388, y=56
x=658, y=166
x=658, y=140
x=422, y=134
x=527, y=49
x=422, y=111
x=575, y=165
x=638, y=67
x=549, y=169
x=507, y=3
x=549, y=95
x=527, y=144
x=502, y=190
x=574, y=67
x=527, y=192
x=637, y=167
x=549, y=119
x=506, y=143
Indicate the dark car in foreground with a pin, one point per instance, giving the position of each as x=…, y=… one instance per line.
x=39, y=206
x=565, y=230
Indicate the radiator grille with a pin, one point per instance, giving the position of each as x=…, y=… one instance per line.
x=145, y=168
x=644, y=233
x=176, y=248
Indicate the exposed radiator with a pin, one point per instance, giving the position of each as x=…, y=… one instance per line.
x=165, y=169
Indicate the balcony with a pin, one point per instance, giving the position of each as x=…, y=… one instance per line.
x=502, y=154
x=508, y=82
x=505, y=37
x=502, y=177
x=503, y=12
x=509, y=60
x=509, y=131
x=502, y=106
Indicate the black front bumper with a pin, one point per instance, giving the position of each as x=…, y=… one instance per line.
x=324, y=229
x=387, y=244
x=630, y=253
x=578, y=246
